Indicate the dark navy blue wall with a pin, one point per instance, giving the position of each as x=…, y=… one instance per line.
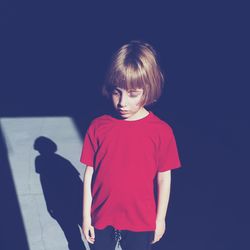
x=53, y=60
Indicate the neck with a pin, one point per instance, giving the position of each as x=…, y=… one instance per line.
x=139, y=115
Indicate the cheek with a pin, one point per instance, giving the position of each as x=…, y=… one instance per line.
x=138, y=102
x=114, y=100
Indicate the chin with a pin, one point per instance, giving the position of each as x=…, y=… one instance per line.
x=125, y=116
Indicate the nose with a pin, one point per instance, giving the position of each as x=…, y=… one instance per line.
x=122, y=101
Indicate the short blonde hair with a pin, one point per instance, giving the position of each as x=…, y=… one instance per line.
x=135, y=65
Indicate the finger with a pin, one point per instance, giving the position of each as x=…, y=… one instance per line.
x=92, y=232
x=87, y=237
x=91, y=241
x=156, y=238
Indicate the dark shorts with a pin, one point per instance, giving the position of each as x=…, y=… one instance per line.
x=107, y=238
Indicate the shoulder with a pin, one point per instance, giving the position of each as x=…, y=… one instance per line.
x=160, y=125
x=100, y=120
x=98, y=123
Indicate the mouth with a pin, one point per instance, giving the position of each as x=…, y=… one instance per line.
x=123, y=112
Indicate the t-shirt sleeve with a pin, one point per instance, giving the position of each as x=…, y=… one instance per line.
x=168, y=157
x=89, y=147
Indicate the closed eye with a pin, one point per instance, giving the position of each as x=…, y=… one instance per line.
x=115, y=92
x=134, y=93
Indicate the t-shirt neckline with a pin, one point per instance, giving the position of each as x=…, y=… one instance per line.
x=122, y=121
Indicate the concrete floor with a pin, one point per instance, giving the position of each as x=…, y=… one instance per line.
x=43, y=232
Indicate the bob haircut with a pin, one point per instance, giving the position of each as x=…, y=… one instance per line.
x=134, y=66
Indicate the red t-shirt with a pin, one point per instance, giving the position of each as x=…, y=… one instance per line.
x=126, y=156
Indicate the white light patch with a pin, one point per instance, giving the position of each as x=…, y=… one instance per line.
x=42, y=230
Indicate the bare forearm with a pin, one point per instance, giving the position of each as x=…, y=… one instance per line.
x=87, y=228
x=163, y=184
x=87, y=197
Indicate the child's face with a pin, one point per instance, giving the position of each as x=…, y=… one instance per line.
x=127, y=102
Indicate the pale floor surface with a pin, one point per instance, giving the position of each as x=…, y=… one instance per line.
x=43, y=232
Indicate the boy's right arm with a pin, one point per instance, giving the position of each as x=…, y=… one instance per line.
x=88, y=229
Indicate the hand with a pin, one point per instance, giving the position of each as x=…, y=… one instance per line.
x=159, y=231
x=88, y=231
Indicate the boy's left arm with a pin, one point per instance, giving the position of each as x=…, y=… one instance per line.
x=163, y=186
